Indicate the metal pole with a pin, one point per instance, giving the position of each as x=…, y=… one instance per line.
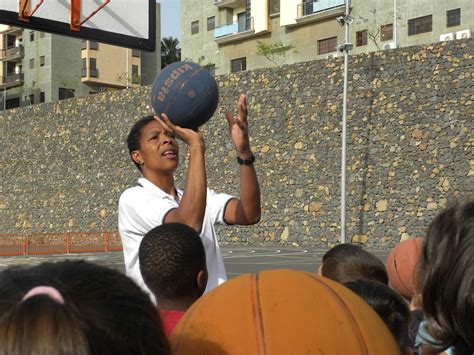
x=344, y=124
x=126, y=69
x=395, y=22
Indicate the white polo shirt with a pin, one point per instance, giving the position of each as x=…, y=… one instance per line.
x=143, y=207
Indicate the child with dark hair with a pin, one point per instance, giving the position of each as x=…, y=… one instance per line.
x=389, y=305
x=173, y=266
x=349, y=262
x=446, y=278
x=76, y=307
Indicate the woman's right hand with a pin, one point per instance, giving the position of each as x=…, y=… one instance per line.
x=190, y=137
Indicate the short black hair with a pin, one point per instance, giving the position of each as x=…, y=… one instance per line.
x=389, y=305
x=133, y=138
x=348, y=262
x=446, y=277
x=171, y=255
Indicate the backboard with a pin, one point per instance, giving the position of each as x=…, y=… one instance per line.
x=126, y=23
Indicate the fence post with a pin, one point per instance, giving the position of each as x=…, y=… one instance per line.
x=68, y=248
x=106, y=241
x=24, y=241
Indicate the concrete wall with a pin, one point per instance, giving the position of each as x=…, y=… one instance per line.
x=410, y=147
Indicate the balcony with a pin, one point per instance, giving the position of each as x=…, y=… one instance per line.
x=231, y=4
x=12, y=53
x=319, y=10
x=12, y=80
x=235, y=31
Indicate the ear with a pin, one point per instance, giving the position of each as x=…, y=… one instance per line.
x=201, y=280
x=320, y=270
x=136, y=157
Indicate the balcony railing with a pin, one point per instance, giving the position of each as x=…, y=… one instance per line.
x=234, y=28
x=11, y=80
x=309, y=8
x=12, y=52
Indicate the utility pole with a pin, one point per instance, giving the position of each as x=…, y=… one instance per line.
x=395, y=22
x=344, y=21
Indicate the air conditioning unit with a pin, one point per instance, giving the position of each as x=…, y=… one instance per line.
x=463, y=34
x=389, y=45
x=332, y=55
x=446, y=37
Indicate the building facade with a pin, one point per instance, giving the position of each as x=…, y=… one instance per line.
x=233, y=35
x=38, y=67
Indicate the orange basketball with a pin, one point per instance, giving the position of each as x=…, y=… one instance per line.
x=281, y=312
x=402, y=264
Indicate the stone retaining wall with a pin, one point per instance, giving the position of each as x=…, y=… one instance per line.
x=410, y=150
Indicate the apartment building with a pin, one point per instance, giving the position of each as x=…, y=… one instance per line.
x=38, y=67
x=233, y=35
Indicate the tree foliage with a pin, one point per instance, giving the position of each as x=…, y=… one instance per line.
x=170, y=51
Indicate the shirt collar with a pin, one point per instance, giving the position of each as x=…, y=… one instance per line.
x=148, y=185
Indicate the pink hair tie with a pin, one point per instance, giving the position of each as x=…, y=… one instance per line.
x=53, y=293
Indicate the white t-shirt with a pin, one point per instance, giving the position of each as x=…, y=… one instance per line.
x=143, y=207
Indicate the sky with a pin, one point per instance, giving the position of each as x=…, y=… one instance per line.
x=170, y=18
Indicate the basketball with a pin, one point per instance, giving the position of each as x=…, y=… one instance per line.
x=402, y=264
x=281, y=312
x=186, y=92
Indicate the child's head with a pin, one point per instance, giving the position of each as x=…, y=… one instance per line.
x=76, y=307
x=446, y=277
x=348, y=262
x=173, y=262
x=389, y=305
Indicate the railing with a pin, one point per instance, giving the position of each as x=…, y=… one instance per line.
x=234, y=28
x=12, y=79
x=309, y=8
x=12, y=52
x=59, y=243
x=92, y=73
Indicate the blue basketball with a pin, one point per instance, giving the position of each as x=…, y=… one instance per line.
x=186, y=92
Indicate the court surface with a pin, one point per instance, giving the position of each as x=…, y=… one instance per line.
x=237, y=260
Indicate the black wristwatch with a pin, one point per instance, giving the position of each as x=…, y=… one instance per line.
x=248, y=161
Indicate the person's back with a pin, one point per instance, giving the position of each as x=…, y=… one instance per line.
x=173, y=266
x=76, y=307
x=349, y=262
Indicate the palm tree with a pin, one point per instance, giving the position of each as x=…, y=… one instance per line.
x=170, y=52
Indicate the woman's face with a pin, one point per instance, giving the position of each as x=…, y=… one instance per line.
x=158, y=151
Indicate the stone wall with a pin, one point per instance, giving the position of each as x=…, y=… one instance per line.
x=410, y=150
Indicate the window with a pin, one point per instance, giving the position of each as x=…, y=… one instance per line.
x=194, y=27
x=420, y=25
x=65, y=93
x=211, y=23
x=386, y=32
x=32, y=63
x=135, y=53
x=93, y=45
x=83, y=44
x=327, y=45
x=135, y=75
x=42, y=98
x=238, y=64
x=274, y=7
x=32, y=36
x=361, y=38
x=31, y=99
x=93, y=72
x=92, y=63
x=42, y=61
x=453, y=18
